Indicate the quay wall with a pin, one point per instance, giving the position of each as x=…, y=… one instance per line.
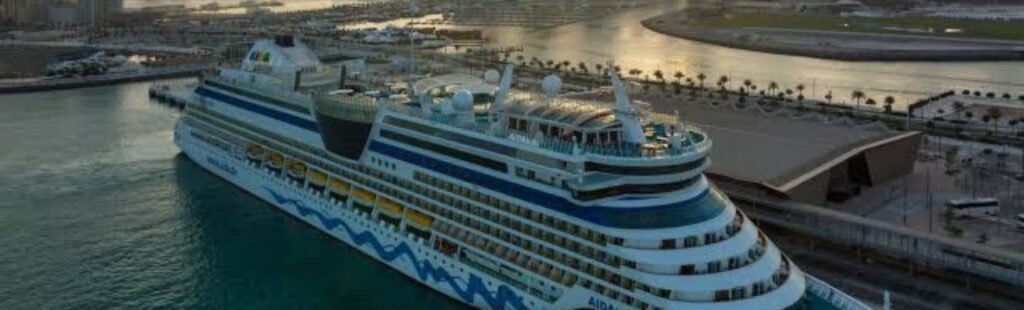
x=153, y=74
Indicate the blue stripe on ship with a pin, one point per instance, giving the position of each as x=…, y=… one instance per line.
x=690, y=211
x=694, y=210
x=259, y=109
x=424, y=269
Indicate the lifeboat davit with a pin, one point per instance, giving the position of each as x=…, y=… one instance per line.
x=297, y=171
x=275, y=161
x=255, y=153
x=317, y=179
x=339, y=189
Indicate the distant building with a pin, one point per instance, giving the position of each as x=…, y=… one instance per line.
x=82, y=12
x=1003, y=13
x=5, y=12
x=23, y=11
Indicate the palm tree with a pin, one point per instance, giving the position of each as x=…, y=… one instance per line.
x=677, y=87
x=828, y=97
x=659, y=75
x=889, y=101
x=772, y=87
x=701, y=76
x=600, y=68
x=722, y=80
x=857, y=95
x=800, y=92
x=987, y=119
x=958, y=108
x=748, y=83
x=679, y=76
x=1013, y=125
x=634, y=72
x=995, y=114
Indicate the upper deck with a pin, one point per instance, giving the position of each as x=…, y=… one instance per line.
x=659, y=146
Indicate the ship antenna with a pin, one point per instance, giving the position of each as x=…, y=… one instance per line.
x=503, y=87
x=624, y=112
x=413, y=9
x=421, y=98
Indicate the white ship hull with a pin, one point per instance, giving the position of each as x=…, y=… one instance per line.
x=415, y=259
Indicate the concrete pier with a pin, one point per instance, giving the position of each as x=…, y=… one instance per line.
x=25, y=86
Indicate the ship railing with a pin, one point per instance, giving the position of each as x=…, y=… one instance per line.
x=696, y=142
x=359, y=108
x=835, y=297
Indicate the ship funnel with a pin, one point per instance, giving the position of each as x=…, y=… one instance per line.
x=624, y=112
x=506, y=83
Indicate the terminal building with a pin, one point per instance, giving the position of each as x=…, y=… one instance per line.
x=811, y=159
x=803, y=156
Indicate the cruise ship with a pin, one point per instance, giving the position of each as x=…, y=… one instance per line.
x=497, y=198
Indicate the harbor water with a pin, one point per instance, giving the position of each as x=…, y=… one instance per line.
x=621, y=37
x=98, y=210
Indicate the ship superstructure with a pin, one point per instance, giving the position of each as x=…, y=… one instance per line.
x=494, y=197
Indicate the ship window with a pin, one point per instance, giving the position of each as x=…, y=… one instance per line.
x=721, y=295
x=446, y=151
x=690, y=242
x=687, y=269
x=624, y=170
x=668, y=244
x=714, y=267
x=635, y=189
x=664, y=293
x=739, y=293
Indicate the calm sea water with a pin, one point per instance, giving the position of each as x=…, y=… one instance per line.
x=98, y=210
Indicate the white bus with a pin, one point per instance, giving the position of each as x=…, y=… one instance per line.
x=974, y=207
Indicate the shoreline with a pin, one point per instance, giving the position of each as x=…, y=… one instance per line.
x=661, y=24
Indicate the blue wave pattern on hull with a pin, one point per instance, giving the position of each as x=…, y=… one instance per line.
x=424, y=269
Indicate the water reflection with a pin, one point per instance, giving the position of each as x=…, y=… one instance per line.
x=622, y=38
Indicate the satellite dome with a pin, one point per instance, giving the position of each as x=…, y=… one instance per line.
x=551, y=85
x=492, y=76
x=462, y=100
